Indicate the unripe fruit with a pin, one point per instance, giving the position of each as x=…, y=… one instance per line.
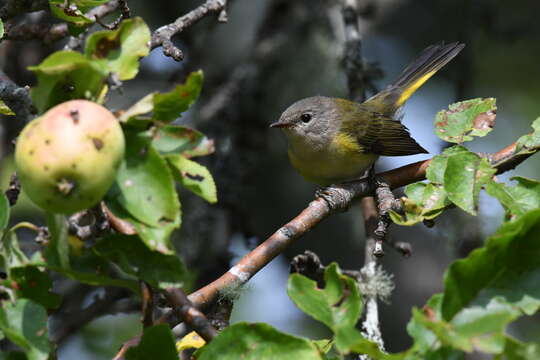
x=67, y=159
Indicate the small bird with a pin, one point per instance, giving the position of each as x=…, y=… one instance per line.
x=333, y=140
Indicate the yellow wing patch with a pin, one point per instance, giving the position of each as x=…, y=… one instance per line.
x=409, y=90
x=345, y=144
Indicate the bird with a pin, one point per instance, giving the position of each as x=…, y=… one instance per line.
x=334, y=140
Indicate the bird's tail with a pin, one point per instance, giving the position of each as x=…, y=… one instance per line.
x=416, y=74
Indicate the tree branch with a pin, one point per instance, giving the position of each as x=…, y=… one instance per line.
x=13, y=8
x=162, y=36
x=16, y=98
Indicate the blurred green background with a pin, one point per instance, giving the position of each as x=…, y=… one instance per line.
x=270, y=54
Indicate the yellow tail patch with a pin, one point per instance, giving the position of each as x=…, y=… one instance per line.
x=410, y=89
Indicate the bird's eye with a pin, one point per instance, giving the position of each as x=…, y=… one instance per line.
x=305, y=117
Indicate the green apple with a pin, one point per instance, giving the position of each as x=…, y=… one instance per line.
x=67, y=158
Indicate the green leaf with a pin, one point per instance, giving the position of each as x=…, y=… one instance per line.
x=31, y=283
x=517, y=350
x=4, y=212
x=168, y=106
x=255, y=342
x=530, y=143
x=72, y=14
x=182, y=140
x=505, y=271
x=157, y=339
x=466, y=119
x=156, y=238
x=437, y=166
x=144, y=184
x=120, y=49
x=4, y=109
x=12, y=255
x=464, y=177
x=194, y=177
x=67, y=75
x=57, y=250
x=1, y=29
x=25, y=324
x=141, y=107
x=135, y=258
x=423, y=202
x=518, y=199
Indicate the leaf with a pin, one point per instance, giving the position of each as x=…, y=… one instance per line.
x=518, y=199
x=120, y=49
x=67, y=75
x=1, y=29
x=529, y=143
x=156, y=238
x=134, y=258
x=505, y=271
x=182, y=140
x=144, y=184
x=466, y=119
x=423, y=202
x=4, y=212
x=168, y=106
x=31, y=283
x=194, y=177
x=190, y=341
x=255, y=342
x=437, y=166
x=157, y=339
x=141, y=107
x=5, y=110
x=464, y=177
x=25, y=324
x=12, y=255
x=72, y=14
x=57, y=249
x=517, y=350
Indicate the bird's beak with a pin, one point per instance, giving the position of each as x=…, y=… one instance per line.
x=280, y=124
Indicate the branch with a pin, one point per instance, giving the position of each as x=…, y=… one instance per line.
x=16, y=98
x=331, y=200
x=50, y=33
x=189, y=314
x=162, y=36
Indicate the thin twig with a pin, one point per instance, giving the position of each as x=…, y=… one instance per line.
x=16, y=98
x=162, y=36
x=147, y=305
x=13, y=190
x=190, y=314
x=13, y=8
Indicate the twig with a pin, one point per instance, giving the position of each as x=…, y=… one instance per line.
x=16, y=98
x=162, y=36
x=190, y=314
x=50, y=33
x=147, y=305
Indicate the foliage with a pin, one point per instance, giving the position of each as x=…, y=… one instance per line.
x=483, y=293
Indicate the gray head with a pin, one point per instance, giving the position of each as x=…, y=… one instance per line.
x=312, y=120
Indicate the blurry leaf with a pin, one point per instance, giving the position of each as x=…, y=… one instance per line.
x=25, y=324
x=155, y=340
x=57, y=249
x=66, y=75
x=256, y=342
x=141, y=107
x=120, y=49
x=517, y=350
x=4, y=212
x=135, y=258
x=466, y=119
x=194, y=177
x=423, y=337
x=519, y=199
x=423, y=201
x=464, y=177
x=4, y=109
x=182, y=140
x=156, y=238
x=503, y=273
x=1, y=29
x=71, y=11
x=31, y=283
x=144, y=184
x=168, y=106
x=324, y=345
x=528, y=143
x=190, y=341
